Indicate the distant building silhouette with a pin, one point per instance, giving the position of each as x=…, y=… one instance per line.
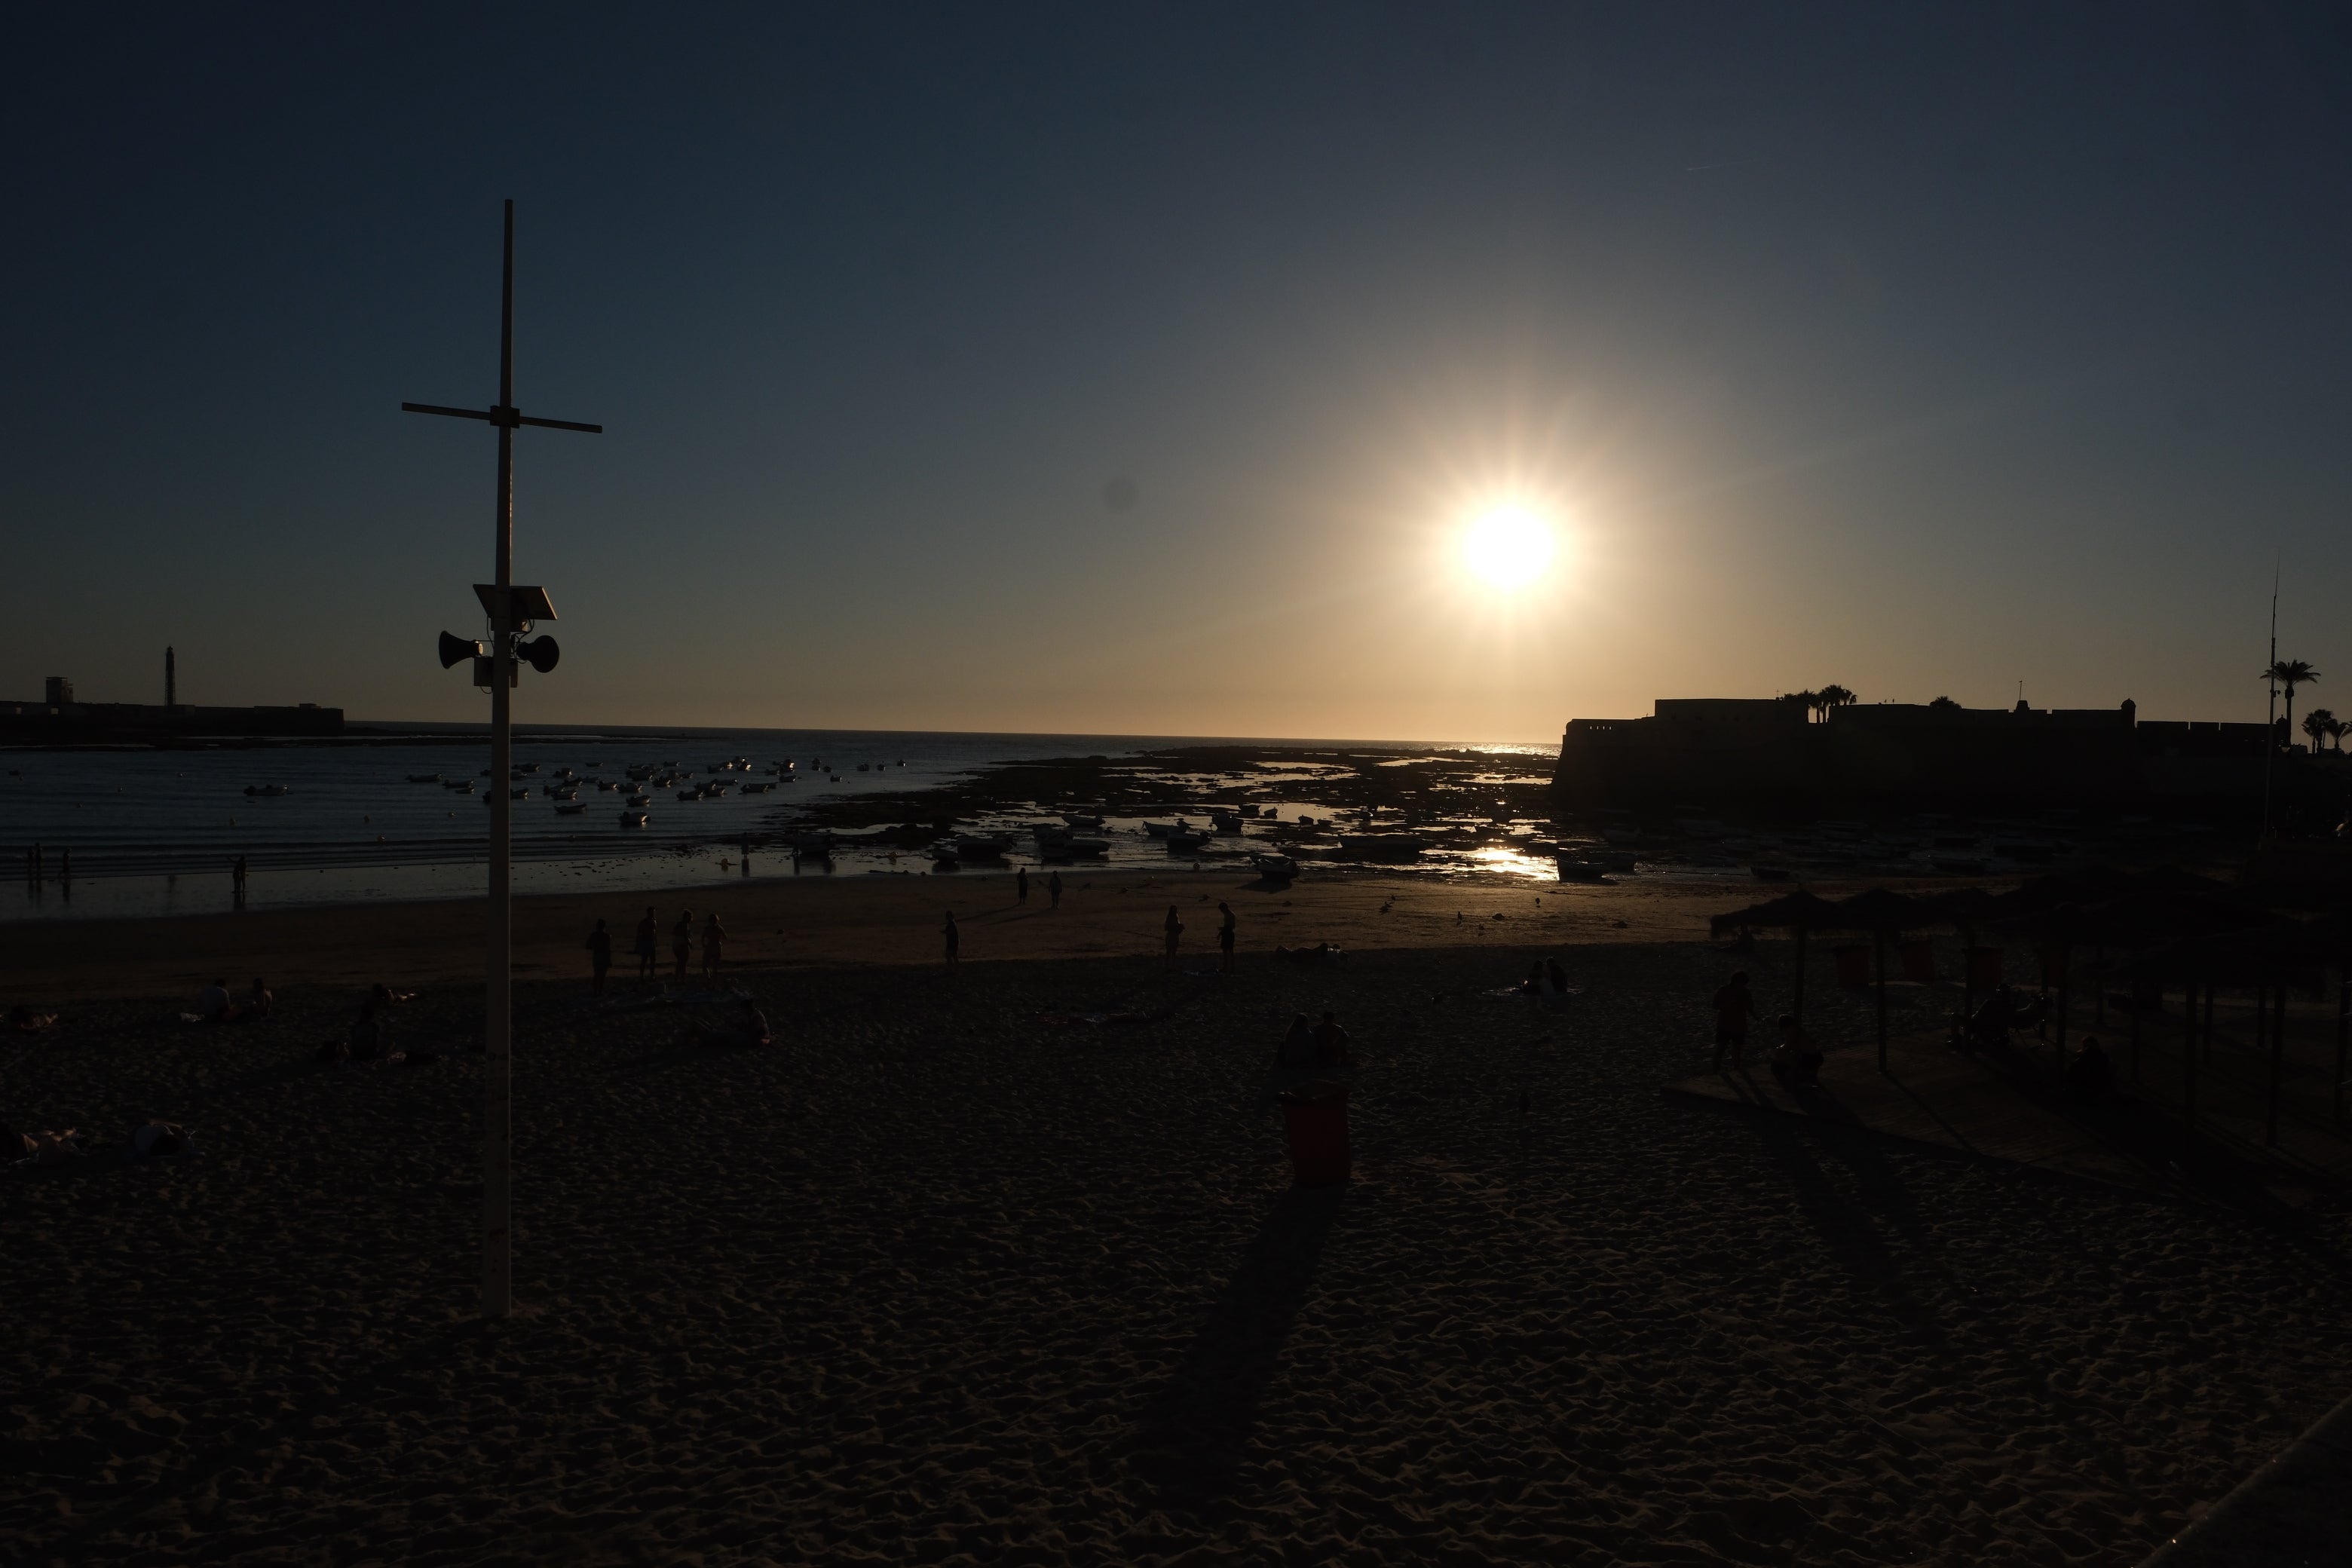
x=57, y=691
x=171, y=678
x=1765, y=753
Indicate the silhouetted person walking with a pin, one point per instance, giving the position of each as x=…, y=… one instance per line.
x=1733, y=1007
x=1021, y=885
x=1226, y=937
x=951, y=937
x=648, y=947
x=714, y=946
x=600, y=956
x=1054, y=889
x=1173, y=930
x=681, y=940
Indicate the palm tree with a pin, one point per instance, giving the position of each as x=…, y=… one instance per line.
x=1811, y=702
x=2336, y=730
x=2291, y=673
x=2318, y=724
x=1832, y=696
x=1945, y=704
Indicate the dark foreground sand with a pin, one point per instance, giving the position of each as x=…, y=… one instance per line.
x=938, y=1282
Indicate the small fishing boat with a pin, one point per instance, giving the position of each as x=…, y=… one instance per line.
x=639, y=799
x=1167, y=829
x=518, y=795
x=861, y=767
x=689, y=795
x=1183, y=842
x=461, y=786
x=568, y=792
x=574, y=809
x=1574, y=870
x=1274, y=868
x=1082, y=846
x=982, y=846
x=1088, y=822
x=266, y=790
x=635, y=818
x=761, y=788
x=528, y=768
x=424, y=778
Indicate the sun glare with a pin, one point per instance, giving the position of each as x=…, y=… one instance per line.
x=1507, y=547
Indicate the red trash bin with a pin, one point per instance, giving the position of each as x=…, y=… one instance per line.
x=1984, y=969
x=1920, y=963
x=1854, y=967
x=1314, y=1130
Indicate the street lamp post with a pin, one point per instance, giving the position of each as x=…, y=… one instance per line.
x=510, y=610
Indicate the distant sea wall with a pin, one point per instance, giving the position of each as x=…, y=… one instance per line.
x=1771, y=754
x=86, y=723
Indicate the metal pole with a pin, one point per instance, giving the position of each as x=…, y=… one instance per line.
x=2066, y=996
x=2138, y=1003
x=497, y=1030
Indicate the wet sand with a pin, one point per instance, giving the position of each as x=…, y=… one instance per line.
x=938, y=1280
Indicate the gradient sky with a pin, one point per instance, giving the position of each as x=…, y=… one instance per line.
x=1128, y=368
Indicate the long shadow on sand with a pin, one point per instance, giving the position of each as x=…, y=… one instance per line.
x=1193, y=1434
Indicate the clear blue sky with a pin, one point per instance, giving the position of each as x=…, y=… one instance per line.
x=1128, y=368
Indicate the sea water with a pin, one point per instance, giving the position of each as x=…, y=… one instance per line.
x=154, y=832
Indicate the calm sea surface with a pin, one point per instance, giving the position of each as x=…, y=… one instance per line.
x=155, y=831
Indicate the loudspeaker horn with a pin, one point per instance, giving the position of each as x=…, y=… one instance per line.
x=540, y=653
x=455, y=648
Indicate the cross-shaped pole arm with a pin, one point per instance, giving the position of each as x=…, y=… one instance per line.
x=509, y=417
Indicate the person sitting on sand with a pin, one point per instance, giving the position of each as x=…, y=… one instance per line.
x=1297, y=1045
x=383, y=995
x=159, y=1140
x=2089, y=1073
x=1534, y=984
x=1795, y=1061
x=258, y=1002
x=213, y=1005
x=749, y=1029
x=371, y=1039
x=23, y=1020
x=1332, y=1046
x=1733, y=1007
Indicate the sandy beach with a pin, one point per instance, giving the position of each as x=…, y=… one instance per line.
x=939, y=1281
x=789, y=921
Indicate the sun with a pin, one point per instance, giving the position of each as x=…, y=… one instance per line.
x=1507, y=547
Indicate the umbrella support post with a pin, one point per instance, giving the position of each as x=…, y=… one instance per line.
x=2278, y=1061
x=2099, y=979
x=2189, y=1057
x=2137, y=994
x=1797, y=1004
x=2342, y=1029
x=1967, y=978
x=2065, y=998
x=2208, y=1022
x=1878, y=940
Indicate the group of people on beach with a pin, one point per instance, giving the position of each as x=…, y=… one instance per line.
x=648, y=947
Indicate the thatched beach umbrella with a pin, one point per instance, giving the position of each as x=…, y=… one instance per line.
x=1962, y=909
x=1799, y=912
x=2268, y=957
x=1880, y=911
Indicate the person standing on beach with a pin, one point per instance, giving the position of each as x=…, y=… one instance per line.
x=1173, y=930
x=714, y=946
x=1021, y=885
x=1333, y=1048
x=681, y=940
x=648, y=946
x=1226, y=937
x=1053, y=887
x=953, y=937
x=600, y=956
x=1733, y=1007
